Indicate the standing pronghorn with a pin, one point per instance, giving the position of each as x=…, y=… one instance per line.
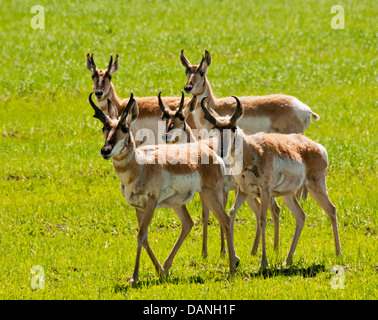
x=148, y=183
x=177, y=120
x=149, y=112
x=277, y=165
x=270, y=113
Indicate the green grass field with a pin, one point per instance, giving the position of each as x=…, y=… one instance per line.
x=60, y=203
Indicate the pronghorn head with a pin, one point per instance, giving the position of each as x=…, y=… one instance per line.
x=101, y=78
x=196, y=74
x=226, y=125
x=116, y=129
x=175, y=119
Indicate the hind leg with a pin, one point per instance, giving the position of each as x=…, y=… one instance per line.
x=293, y=205
x=318, y=191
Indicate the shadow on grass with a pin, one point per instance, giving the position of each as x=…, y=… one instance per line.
x=124, y=287
x=305, y=272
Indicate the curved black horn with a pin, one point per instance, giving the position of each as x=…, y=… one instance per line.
x=98, y=112
x=161, y=103
x=208, y=116
x=127, y=108
x=181, y=102
x=93, y=63
x=239, y=111
x=110, y=63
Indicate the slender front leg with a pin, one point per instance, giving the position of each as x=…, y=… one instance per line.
x=146, y=245
x=223, y=246
x=205, y=224
x=265, y=198
x=254, y=203
x=142, y=234
x=187, y=225
x=275, y=210
x=213, y=202
x=240, y=198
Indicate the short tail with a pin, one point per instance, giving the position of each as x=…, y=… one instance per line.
x=315, y=116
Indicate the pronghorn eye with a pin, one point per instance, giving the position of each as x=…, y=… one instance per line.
x=125, y=129
x=202, y=73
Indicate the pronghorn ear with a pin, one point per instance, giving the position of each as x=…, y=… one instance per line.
x=114, y=67
x=184, y=61
x=203, y=66
x=190, y=106
x=207, y=58
x=112, y=110
x=91, y=66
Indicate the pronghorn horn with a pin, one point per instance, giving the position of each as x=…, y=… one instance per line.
x=181, y=102
x=98, y=112
x=208, y=116
x=238, y=113
x=126, y=110
x=110, y=63
x=163, y=108
x=93, y=63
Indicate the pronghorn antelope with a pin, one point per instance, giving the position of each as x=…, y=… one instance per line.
x=149, y=112
x=276, y=165
x=270, y=113
x=148, y=185
x=177, y=120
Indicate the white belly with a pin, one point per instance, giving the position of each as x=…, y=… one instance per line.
x=178, y=189
x=289, y=176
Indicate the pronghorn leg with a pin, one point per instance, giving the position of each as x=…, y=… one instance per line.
x=223, y=246
x=302, y=192
x=265, y=199
x=300, y=217
x=240, y=198
x=146, y=246
x=318, y=191
x=214, y=202
x=142, y=235
x=205, y=224
x=187, y=224
x=275, y=210
x=254, y=204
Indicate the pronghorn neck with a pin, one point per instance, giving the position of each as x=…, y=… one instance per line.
x=113, y=97
x=207, y=92
x=125, y=160
x=189, y=134
x=198, y=113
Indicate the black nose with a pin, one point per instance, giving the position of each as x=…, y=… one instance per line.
x=106, y=150
x=188, y=88
x=99, y=94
